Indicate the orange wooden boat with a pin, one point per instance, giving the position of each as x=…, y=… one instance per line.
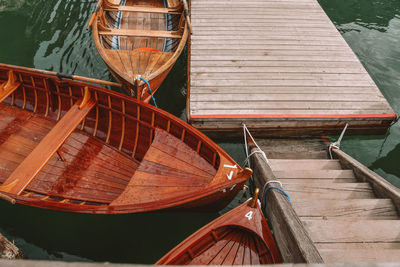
x=239, y=237
x=72, y=146
x=136, y=37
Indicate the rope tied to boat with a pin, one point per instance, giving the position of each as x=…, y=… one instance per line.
x=149, y=89
x=259, y=150
x=337, y=143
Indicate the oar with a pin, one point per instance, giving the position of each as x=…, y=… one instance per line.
x=186, y=12
x=7, y=198
x=94, y=15
x=81, y=78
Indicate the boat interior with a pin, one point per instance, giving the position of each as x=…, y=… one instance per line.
x=87, y=145
x=227, y=245
x=138, y=37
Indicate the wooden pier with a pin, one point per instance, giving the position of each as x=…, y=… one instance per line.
x=279, y=65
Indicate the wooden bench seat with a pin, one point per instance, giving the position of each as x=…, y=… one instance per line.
x=37, y=159
x=8, y=87
x=141, y=33
x=145, y=9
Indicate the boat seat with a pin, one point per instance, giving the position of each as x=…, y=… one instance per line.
x=145, y=9
x=41, y=154
x=8, y=87
x=140, y=33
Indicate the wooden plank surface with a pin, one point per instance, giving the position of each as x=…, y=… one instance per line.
x=346, y=208
x=360, y=255
x=42, y=153
x=327, y=231
x=274, y=58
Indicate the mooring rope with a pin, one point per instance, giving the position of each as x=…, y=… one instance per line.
x=259, y=150
x=148, y=86
x=337, y=143
x=267, y=185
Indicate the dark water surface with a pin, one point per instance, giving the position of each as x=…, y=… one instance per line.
x=51, y=35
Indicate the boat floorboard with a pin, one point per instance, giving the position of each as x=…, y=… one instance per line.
x=92, y=171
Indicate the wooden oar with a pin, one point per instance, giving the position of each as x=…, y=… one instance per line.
x=66, y=76
x=7, y=198
x=186, y=12
x=94, y=15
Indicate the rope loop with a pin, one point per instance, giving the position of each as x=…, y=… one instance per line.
x=252, y=153
x=149, y=89
x=276, y=188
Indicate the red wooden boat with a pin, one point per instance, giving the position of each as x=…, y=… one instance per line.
x=139, y=38
x=72, y=146
x=239, y=237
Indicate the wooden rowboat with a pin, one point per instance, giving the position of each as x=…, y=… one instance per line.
x=239, y=237
x=140, y=38
x=72, y=146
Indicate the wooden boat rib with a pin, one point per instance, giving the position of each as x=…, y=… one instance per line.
x=72, y=146
x=239, y=237
x=140, y=38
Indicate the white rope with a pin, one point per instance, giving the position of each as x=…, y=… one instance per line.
x=270, y=182
x=259, y=150
x=337, y=143
x=273, y=181
x=252, y=153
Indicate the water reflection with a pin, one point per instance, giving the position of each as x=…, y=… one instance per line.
x=372, y=14
x=140, y=238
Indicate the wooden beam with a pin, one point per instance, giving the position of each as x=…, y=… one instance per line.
x=141, y=33
x=380, y=186
x=145, y=9
x=37, y=159
x=292, y=238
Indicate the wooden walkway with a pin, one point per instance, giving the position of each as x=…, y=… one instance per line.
x=276, y=63
x=348, y=216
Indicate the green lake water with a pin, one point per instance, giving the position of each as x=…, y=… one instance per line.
x=51, y=35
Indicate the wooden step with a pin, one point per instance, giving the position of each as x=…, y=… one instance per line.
x=309, y=182
x=338, y=191
x=318, y=174
x=376, y=246
x=297, y=154
x=353, y=231
x=304, y=164
x=360, y=255
x=361, y=208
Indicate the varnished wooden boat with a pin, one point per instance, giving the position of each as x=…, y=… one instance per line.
x=136, y=37
x=72, y=146
x=239, y=237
